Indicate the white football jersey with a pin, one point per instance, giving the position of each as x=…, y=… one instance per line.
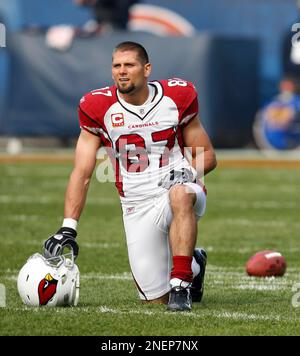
x=144, y=142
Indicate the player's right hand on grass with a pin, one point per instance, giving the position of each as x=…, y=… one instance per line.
x=65, y=237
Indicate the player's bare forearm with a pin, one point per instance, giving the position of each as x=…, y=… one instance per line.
x=197, y=141
x=204, y=162
x=76, y=195
x=85, y=160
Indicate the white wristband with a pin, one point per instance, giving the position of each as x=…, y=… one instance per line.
x=71, y=223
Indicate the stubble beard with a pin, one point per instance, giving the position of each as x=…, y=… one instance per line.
x=128, y=90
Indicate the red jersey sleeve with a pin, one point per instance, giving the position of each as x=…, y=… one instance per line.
x=92, y=108
x=184, y=94
x=87, y=119
x=190, y=112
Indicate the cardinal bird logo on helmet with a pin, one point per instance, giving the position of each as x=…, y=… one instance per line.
x=47, y=289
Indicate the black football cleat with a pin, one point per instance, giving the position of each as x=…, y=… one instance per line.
x=197, y=288
x=180, y=299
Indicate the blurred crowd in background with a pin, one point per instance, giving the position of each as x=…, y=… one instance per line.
x=239, y=55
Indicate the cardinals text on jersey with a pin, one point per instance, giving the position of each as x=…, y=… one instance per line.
x=144, y=142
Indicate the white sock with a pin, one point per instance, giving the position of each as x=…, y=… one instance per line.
x=176, y=282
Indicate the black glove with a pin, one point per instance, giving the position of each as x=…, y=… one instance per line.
x=65, y=237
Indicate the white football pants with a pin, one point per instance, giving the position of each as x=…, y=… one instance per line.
x=146, y=226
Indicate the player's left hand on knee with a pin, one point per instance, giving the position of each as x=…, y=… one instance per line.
x=64, y=238
x=181, y=176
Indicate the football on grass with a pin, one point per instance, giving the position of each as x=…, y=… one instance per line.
x=266, y=264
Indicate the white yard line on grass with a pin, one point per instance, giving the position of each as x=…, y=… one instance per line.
x=104, y=245
x=21, y=199
x=252, y=223
x=238, y=271
x=86, y=276
x=235, y=283
x=121, y=276
x=260, y=287
x=58, y=171
x=92, y=245
x=23, y=217
x=202, y=314
x=29, y=199
x=259, y=205
x=247, y=317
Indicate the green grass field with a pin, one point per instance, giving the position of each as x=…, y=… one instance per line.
x=248, y=210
